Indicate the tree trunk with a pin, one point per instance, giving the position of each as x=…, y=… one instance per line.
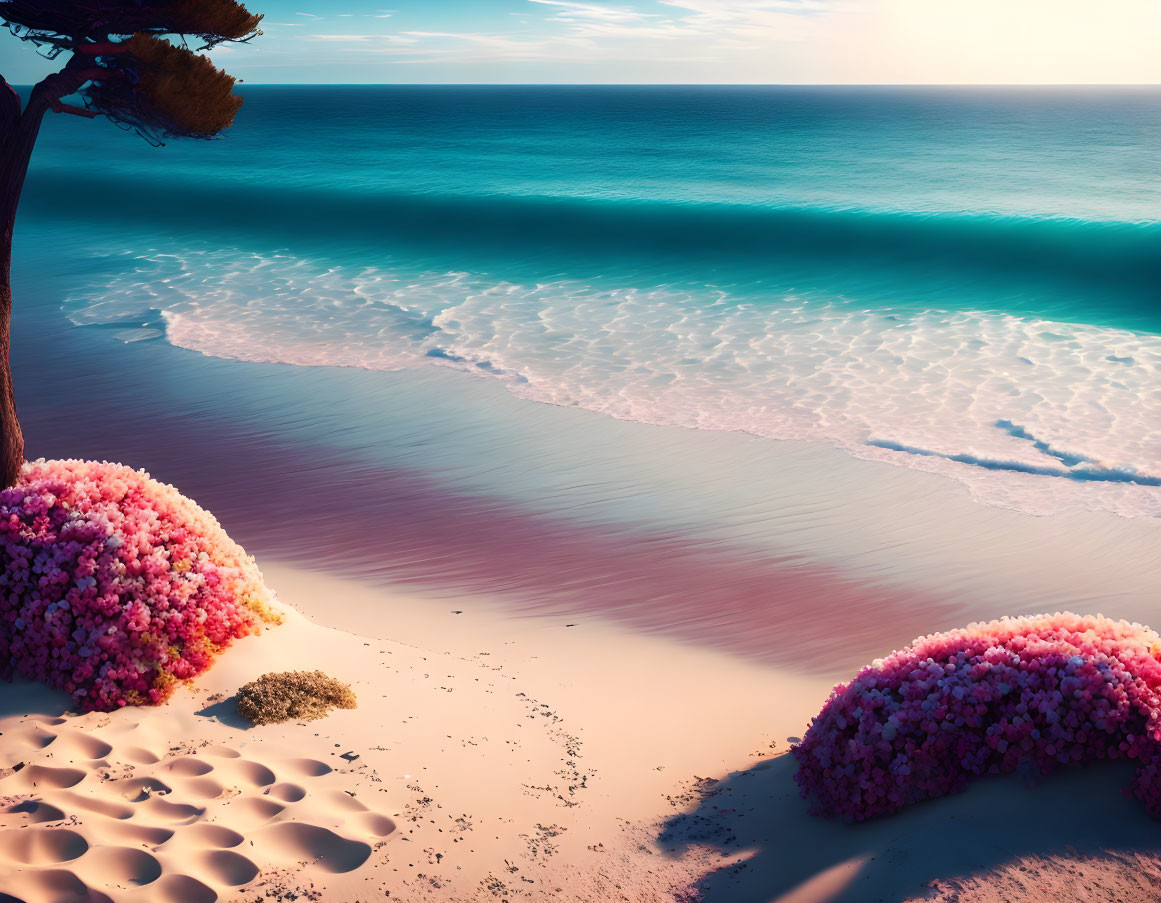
x=15, y=152
x=18, y=131
x=11, y=438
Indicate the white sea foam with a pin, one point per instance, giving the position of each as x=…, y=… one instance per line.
x=1031, y=414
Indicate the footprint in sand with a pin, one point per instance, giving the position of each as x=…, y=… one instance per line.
x=226, y=867
x=287, y=793
x=139, y=755
x=253, y=773
x=57, y=885
x=45, y=777
x=374, y=823
x=41, y=846
x=120, y=867
x=38, y=811
x=74, y=801
x=308, y=768
x=182, y=889
x=300, y=842
x=252, y=811
x=205, y=834
x=169, y=813
x=33, y=736
x=188, y=766
x=77, y=745
x=222, y=752
x=103, y=820
x=201, y=789
x=338, y=799
x=137, y=790
x=140, y=835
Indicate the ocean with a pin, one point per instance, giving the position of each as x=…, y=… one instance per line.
x=960, y=280
x=366, y=289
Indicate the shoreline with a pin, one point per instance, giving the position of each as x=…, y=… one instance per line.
x=451, y=486
x=448, y=485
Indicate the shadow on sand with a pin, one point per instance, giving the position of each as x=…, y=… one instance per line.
x=226, y=712
x=22, y=698
x=793, y=856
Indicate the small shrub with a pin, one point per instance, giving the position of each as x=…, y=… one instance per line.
x=1019, y=694
x=293, y=696
x=114, y=587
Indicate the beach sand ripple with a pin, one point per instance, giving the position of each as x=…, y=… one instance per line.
x=114, y=818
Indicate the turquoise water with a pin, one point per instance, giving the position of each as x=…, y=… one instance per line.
x=966, y=281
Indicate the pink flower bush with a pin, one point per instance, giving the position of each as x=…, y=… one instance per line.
x=1019, y=694
x=114, y=586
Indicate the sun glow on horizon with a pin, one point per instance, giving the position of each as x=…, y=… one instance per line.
x=997, y=42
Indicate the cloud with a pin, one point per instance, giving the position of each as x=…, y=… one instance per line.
x=768, y=41
x=743, y=11
x=588, y=32
x=361, y=38
x=722, y=22
x=502, y=48
x=753, y=20
x=572, y=11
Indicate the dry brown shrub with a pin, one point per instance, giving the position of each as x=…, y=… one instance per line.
x=293, y=696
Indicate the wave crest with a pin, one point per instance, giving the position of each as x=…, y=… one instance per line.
x=930, y=390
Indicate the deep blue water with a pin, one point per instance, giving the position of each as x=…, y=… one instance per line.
x=898, y=272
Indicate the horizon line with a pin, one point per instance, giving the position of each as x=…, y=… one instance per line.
x=685, y=84
x=707, y=84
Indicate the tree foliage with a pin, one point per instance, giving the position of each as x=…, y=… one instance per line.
x=123, y=68
x=162, y=89
x=62, y=24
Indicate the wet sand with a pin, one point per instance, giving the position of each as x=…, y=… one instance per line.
x=788, y=553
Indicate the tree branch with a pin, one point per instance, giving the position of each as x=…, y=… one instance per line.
x=50, y=91
x=9, y=109
x=47, y=95
x=99, y=48
x=58, y=107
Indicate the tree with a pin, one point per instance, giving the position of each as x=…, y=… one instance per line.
x=121, y=68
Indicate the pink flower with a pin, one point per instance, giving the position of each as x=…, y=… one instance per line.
x=114, y=586
x=1018, y=694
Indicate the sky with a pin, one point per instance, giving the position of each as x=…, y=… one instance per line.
x=688, y=41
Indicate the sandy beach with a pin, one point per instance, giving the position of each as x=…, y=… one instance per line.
x=535, y=758
x=486, y=759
